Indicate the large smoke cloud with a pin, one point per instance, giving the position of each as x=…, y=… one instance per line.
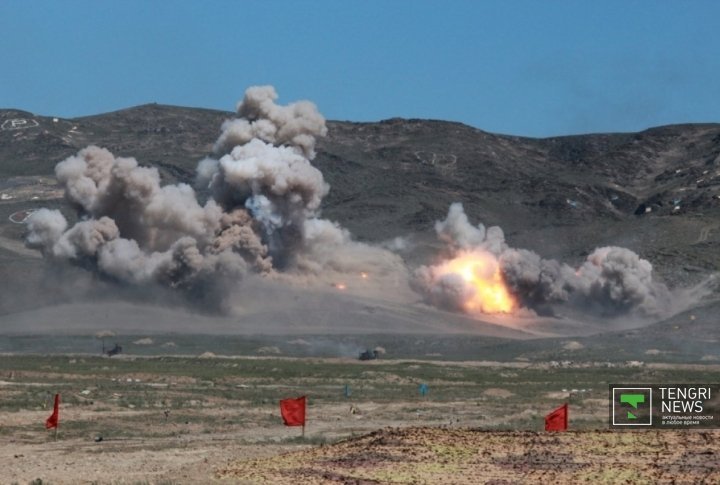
x=262, y=215
x=295, y=125
x=133, y=229
x=611, y=281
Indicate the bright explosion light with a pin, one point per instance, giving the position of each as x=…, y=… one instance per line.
x=481, y=273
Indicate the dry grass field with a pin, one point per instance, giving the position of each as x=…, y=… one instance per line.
x=190, y=419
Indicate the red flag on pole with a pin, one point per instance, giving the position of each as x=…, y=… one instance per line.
x=52, y=421
x=558, y=419
x=293, y=411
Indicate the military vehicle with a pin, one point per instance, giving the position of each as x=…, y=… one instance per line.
x=113, y=351
x=369, y=355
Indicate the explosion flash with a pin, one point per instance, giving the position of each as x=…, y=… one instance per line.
x=480, y=271
x=262, y=216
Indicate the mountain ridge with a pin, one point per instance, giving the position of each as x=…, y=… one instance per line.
x=654, y=191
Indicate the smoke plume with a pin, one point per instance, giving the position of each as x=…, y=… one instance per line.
x=295, y=125
x=611, y=281
x=134, y=230
x=262, y=215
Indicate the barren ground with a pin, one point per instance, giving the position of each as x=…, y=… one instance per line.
x=471, y=456
x=165, y=415
x=184, y=419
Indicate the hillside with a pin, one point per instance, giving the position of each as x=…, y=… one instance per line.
x=656, y=192
x=398, y=176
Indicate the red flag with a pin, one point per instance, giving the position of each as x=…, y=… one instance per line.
x=293, y=411
x=52, y=421
x=558, y=419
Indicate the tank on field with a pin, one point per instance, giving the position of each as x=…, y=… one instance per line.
x=369, y=355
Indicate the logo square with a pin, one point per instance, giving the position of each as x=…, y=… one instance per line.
x=631, y=406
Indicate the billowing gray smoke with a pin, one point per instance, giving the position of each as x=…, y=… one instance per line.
x=611, y=281
x=277, y=185
x=261, y=216
x=295, y=125
x=133, y=229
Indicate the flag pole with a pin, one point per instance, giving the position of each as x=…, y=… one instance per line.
x=303, y=430
x=56, y=430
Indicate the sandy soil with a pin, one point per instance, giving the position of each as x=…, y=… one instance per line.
x=177, y=451
x=411, y=455
x=186, y=460
x=202, y=420
x=191, y=456
x=464, y=456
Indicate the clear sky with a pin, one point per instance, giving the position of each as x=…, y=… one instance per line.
x=535, y=68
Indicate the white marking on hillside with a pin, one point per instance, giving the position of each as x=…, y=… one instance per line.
x=18, y=124
x=20, y=217
x=443, y=161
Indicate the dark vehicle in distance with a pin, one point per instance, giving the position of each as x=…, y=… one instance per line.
x=369, y=355
x=113, y=351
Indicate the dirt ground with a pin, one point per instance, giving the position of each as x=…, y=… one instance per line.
x=174, y=419
x=466, y=456
x=191, y=449
x=395, y=455
x=145, y=460
x=186, y=450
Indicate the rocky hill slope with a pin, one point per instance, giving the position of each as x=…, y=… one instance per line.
x=656, y=192
x=398, y=176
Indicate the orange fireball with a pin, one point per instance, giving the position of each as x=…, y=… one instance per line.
x=480, y=270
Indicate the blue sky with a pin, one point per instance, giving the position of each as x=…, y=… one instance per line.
x=534, y=68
